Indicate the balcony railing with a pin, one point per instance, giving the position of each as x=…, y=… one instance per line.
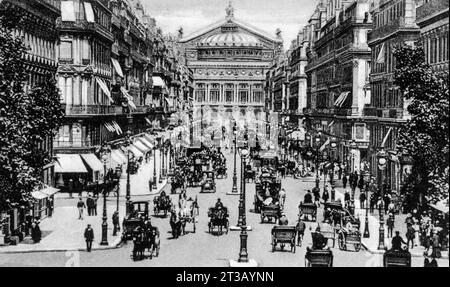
x=92, y=110
x=81, y=24
x=343, y=112
x=431, y=8
x=72, y=144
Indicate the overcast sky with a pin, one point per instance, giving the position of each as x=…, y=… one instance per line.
x=268, y=15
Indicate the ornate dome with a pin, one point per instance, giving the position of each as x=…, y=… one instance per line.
x=237, y=39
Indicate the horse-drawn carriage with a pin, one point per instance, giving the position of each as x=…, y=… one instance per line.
x=307, y=210
x=318, y=258
x=249, y=174
x=397, y=258
x=349, y=237
x=162, y=203
x=283, y=235
x=218, y=218
x=208, y=182
x=267, y=185
x=189, y=212
x=270, y=211
x=221, y=171
x=336, y=213
x=138, y=213
x=145, y=238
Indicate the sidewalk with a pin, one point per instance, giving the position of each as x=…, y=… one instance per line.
x=138, y=182
x=65, y=232
x=371, y=243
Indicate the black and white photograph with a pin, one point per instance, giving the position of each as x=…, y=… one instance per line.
x=217, y=133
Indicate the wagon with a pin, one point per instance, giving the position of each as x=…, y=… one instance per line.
x=283, y=235
x=349, y=238
x=318, y=258
x=218, y=219
x=208, y=184
x=306, y=210
x=271, y=212
x=397, y=258
x=162, y=203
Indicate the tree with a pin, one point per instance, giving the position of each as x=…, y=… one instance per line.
x=28, y=116
x=425, y=136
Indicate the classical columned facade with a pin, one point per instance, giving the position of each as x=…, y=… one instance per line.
x=229, y=60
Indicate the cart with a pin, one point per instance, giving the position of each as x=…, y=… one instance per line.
x=307, y=210
x=283, y=235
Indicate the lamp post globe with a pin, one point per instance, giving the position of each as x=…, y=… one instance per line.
x=382, y=162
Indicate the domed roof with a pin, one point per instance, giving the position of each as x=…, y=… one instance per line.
x=231, y=39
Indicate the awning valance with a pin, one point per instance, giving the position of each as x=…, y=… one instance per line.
x=117, y=67
x=140, y=146
x=158, y=82
x=92, y=161
x=136, y=152
x=69, y=163
x=104, y=88
x=146, y=142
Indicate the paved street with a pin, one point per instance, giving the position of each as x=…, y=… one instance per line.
x=202, y=248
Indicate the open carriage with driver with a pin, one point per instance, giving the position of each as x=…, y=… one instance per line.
x=283, y=235
x=307, y=211
x=347, y=237
x=249, y=173
x=266, y=186
x=208, y=184
x=145, y=238
x=221, y=171
x=162, y=203
x=319, y=258
x=270, y=210
x=218, y=218
x=397, y=258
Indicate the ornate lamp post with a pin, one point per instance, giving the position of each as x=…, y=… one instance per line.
x=128, y=142
x=161, y=152
x=382, y=162
x=317, y=142
x=234, y=190
x=154, y=164
x=118, y=174
x=333, y=146
x=243, y=254
x=353, y=150
x=105, y=150
x=366, y=205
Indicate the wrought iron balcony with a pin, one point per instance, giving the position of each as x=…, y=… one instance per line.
x=430, y=8
x=91, y=110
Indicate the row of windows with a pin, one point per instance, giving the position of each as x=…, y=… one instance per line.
x=79, y=95
x=382, y=97
x=389, y=14
x=215, y=96
x=435, y=47
x=38, y=46
x=229, y=52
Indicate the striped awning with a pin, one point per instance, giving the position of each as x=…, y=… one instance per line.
x=341, y=99
x=135, y=151
x=146, y=142
x=104, y=88
x=129, y=97
x=117, y=67
x=140, y=146
x=92, y=161
x=69, y=163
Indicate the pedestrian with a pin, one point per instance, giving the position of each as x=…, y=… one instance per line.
x=347, y=197
x=90, y=205
x=300, y=227
x=362, y=200
x=89, y=237
x=390, y=222
x=81, y=206
x=325, y=195
x=316, y=193
x=116, y=224
x=94, y=209
x=410, y=236
x=36, y=231
x=344, y=181
x=50, y=206
x=436, y=245
x=282, y=195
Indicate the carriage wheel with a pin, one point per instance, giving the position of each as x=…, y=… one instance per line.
x=341, y=242
x=357, y=247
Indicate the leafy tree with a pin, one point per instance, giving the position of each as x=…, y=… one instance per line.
x=425, y=136
x=28, y=116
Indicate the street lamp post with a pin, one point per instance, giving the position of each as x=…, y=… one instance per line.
x=161, y=148
x=118, y=174
x=154, y=166
x=164, y=162
x=317, y=140
x=333, y=146
x=366, y=205
x=104, y=241
x=353, y=149
x=382, y=162
x=128, y=142
x=243, y=254
x=234, y=188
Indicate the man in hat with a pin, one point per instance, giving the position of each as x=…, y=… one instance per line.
x=308, y=197
x=89, y=237
x=116, y=222
x=283, y=219
x=319, y=241
x=397, y=241
x=282, y=195
x=390, y=225
x=300, y=228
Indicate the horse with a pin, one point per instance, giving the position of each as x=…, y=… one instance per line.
x=138, y=246
x=175, y=223
x=151, y=241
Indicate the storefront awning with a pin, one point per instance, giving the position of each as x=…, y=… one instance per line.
x=117, y=127
x=341, y=99
x=386, y=137
x=92, y=161
x=136, y=152
x=146, y=142
x=158, y=82
x=69, y=163
x=140, y=146
x=67, y=11
x=38, y=195
x=119, y=156
x=117, y=67
x=129, y=97
x=49, y=190
x=169, y=102
x=104, y=88
x=148, y=121
x=89, y=12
